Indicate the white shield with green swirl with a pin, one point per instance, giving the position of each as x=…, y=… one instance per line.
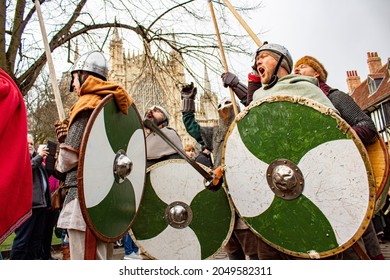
x=299, y=176
x=178, y=218
x=112, y=168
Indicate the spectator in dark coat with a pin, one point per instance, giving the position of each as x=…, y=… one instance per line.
x=28, y=241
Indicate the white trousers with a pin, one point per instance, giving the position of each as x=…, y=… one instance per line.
x=104, y=251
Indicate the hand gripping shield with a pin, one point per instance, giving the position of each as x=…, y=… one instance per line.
x=299, y=176
x=178, y=217
x=111, y=175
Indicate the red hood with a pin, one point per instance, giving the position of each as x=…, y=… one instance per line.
x=16, y=172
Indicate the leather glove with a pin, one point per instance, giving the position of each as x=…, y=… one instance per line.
x=188, y=94
x=241, y=91
x=229, y=80
x=61, y=128
x=189, y=91
x=232, y=81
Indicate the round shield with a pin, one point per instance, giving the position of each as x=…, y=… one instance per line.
x=379, y=159
x=178, y=218
x=299, y=176
x=111, y=175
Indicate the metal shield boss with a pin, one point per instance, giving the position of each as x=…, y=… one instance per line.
x=112, y=166
x=178, y=217
x=299, y=176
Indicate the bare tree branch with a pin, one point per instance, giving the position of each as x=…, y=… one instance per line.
x=171, y=25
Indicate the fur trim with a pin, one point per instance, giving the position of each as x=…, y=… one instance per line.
x=316, y=65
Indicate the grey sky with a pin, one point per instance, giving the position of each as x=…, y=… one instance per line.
x=339, y=33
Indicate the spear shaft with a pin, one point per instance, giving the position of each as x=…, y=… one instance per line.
x=243, y=23
x=222, y=54
x=57, y=96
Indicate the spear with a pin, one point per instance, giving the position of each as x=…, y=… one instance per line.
x=57, y=96
x=222, y=54
x=243, y=23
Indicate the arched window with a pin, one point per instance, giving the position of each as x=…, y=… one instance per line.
x=148, y=93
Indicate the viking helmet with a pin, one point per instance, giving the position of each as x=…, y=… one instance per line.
x=279, y=50
x=226, y=101
x=281, y=55
x=163, y=111
x=93, y=62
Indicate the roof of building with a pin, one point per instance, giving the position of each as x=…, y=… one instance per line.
x=368, y=100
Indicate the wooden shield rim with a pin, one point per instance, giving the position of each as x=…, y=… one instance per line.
x=379, y=147
x=80, y=173
x=231, y=226
x=346, y=129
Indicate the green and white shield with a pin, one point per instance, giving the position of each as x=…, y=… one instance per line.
x=112, y=166
x=178, y=217
x=299, y=176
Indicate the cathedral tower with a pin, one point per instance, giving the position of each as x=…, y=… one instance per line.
x=157, y=79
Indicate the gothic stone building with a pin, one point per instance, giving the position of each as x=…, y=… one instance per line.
x=158, y=81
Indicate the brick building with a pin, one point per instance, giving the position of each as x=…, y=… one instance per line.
x=373, y=94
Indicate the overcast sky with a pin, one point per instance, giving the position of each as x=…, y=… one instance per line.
x=339, y=33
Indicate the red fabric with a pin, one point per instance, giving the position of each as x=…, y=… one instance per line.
x=53, y=183
x=325, y=88
x=15, y=164
x=379, y=257
x=253, y=77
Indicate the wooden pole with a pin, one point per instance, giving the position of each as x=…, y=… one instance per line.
x=243, y=23
x=57, y=96
x=222, y=55
x=360, y=252
x=90, y=245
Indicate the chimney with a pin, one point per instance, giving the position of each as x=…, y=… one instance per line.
x=374, y=62
x=353, y=81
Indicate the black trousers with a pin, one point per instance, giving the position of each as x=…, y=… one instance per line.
x=52, y=218
x=27, y=244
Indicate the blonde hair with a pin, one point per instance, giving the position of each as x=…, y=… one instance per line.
x=189, y=147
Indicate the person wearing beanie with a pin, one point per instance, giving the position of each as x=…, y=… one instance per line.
x=274, y=65
x=356, y=118
x=314, y=65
